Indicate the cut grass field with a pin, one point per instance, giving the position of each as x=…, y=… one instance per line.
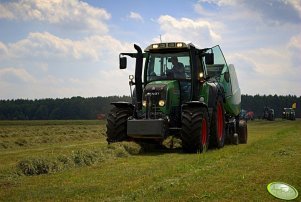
x=78, y=165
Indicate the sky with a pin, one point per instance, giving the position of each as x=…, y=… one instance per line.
x=66, y=48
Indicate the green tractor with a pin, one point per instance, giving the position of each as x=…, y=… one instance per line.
x=268, y=114
x=289, y=114
x=181, y=91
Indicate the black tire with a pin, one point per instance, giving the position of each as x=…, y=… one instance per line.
x=195, y=122
x=217, y=125
x=242, y=132
x=117, y=124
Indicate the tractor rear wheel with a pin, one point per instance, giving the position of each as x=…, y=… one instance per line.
x=195, y=129
x=117, y=124
x=242, y=132
x=217, y=125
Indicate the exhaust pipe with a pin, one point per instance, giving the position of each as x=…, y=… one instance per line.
x=138, y=76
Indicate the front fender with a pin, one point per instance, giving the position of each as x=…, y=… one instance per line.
x=123, y=105
x=194, y=104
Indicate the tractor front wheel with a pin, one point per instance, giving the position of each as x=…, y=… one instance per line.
x=117, y=124
x=195, y=129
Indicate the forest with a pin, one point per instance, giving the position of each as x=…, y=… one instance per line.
x=79, y=108
x=258, y=102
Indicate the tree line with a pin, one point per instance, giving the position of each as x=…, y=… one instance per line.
x=57, y=109
x=88, y=108
x=257, y=103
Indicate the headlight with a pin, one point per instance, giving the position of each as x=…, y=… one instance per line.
x=161, y=103
x=155, y=46
x=144, y=103
x=131, y=77
x=201, y=75
x=179, y=45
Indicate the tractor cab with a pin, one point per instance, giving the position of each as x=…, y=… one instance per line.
x=167, y=79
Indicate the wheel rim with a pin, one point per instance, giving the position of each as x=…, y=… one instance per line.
x=204, y=132
x=220, y=121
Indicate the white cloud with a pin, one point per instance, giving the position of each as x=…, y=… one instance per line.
x=294, y=46
x=220, y=2
x=269, y=61
x=101, y=83
x=266, y=71
x=39, y=65
x=3, y=49
x=19, y=73
x=69, y=14
x=262, y=39
x=104, y=82
x=6, y=13
x=270, y=12
x=199, y=8
x=265, y=63
x=296, y=4
x=275, y=12
x=42, y=62
x=45, y=46
x=264, y=48
x=42, y=66
x=135, y=16
x=294, y=50
x=200, y=31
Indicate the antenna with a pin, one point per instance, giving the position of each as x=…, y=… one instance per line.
x=160, y=39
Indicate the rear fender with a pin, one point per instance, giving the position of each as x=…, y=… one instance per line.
x=215, y=90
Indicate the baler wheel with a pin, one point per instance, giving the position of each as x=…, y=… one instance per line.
x=243, y=132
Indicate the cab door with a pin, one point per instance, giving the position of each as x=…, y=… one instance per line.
x=220, y=70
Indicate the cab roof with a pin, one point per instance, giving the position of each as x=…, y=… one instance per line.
x=169, y=46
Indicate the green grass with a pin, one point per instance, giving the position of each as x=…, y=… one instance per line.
x=234, y=173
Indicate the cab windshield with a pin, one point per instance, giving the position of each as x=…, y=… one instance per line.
x=166, y=66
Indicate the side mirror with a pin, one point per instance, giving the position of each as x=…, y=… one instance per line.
x=209, y=58
x=122, y=62
x=227, y=76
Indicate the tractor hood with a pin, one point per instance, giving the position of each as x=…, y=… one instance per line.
x=161, y=95
x=165, y=83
